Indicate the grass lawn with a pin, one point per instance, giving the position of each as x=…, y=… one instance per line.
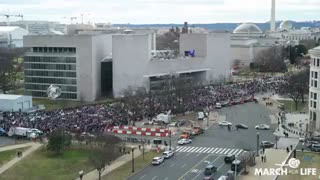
x=307, y=160
x=59, y=104
x=291, y=107
x=41, y=165
x=6, y=156
x=124, y=171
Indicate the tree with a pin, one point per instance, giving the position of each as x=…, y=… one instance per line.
x=294, y=52
x=103, y=152
x=302, y=79
x=58, y=141
x=168, y=41
x=10, y=66
x=308, y=43
x=271, y=60
x=293, y=89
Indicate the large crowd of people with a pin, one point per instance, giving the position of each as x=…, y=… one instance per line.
x=98, y=118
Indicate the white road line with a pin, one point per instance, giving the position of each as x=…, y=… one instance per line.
x=220, y=166
x=182, y=149
x=216, y=150
x=239, y=152
x=189, y=150
x=200, y=172
x=172, y=164
x=207, y=150
x=227, y=151
x=184, y=165
x=202, y=151
x=231, y=152
x=199, y=149
x=212, y=150
x=235, y=152
x=155, y=177
x=185, y=150
x=142, y=177
x=222, y=152
x=179, y=147
x=219, y=150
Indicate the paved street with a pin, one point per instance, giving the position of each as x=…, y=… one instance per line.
x=211, y=147
x=4, y=141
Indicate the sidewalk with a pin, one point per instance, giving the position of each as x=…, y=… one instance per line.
x=274, y=156
x=34, y=147
x=93, y=175
x=17, y=146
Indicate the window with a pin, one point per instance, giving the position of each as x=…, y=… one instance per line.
x=316, y=75
x=315, y=84
x=314, y=104
x=314, y=118
x=318, y=62
x=315, y=96
x=310, y=103
x=312, y=74
x=311, y=83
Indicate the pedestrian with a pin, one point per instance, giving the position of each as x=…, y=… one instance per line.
x=288, y=150
x=263, y=150
x=291, y=147
x=302, y=149
x=139, y=147
x=262, y=159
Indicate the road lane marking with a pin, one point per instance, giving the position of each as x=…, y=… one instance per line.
x=212, y=150
x=182, y=149
x=197, y=175
x=222, y=152
x=239, y=152
x=231, y=152
x=204, y=150
x=180, y=178
x=166, y=178
x=216, y=150
x=191, y=149
x=199, y=149
x=198, y=154
x=184, y=165
x=220, y=166
x=142, y=177
x=219, y=150
x=179, y=147
x=227, y=151
x=207, y=150
x=235, y=152
x=155, y=177
x=195, y=149
x=186, y=150
x=172, y=164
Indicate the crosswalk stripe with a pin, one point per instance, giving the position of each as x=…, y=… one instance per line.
x=204, y=150
x=239, y=152
x=227, y=151
x=191, y=149
x=185, y=150
x=195, y=149
x=231, y=152
x=199, y=149
x=207, y=150
x=236, y=151
x=182, y=149
x=179, y=147
x=222, y=152
x=212, y=150
x=219, y=150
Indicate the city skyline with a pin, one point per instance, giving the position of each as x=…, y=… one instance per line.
x=161, y=11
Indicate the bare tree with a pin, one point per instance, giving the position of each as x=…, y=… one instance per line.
x=271, y=60
x=308, y=43
x=103, y=152
x=10, y=66
x=292, y=89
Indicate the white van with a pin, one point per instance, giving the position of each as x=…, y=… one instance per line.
x=218, y=106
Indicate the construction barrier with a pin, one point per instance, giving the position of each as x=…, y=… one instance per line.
x=132, y=128
x=141, y=133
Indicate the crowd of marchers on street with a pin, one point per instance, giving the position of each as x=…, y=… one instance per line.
x=99, y=117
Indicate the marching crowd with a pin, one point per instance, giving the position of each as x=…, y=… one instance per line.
x=97, y=118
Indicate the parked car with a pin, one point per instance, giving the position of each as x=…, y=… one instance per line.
x=184, y=141
x=3, y=132
x=315, y=147
x=315, y=138
x=310, y=143
x=168, y=154
x=229, y=158
x=225, y=123
x=262, y=127
x=218, y=106
x=223, y=178
x=242, y=126
x=266, y=144
x=157, y=160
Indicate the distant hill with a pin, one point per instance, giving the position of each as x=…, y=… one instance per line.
x=220, y=26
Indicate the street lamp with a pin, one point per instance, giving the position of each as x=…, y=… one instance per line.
x=170, y=139
x=258, y=136
x=276, y=138
x=81, y=174
x=132, y=150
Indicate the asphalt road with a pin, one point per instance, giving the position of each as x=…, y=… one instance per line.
x=4, y=141
x=211, y=147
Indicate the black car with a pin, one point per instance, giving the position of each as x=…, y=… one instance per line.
x=242, y=126
x=315, y=138
x=210, y=170
x=229, y=158
x=225, y=104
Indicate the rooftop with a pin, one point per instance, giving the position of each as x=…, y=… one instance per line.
x=9, y=96
x=8, y=28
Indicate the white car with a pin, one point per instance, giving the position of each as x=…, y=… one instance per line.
x=184, y=141
x=218, y=106
x=36, y=131
x=262, y=127
x=157, y=160
x=225, y=123
x=168, y=154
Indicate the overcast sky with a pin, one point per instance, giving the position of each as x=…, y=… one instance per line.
x=161, y=11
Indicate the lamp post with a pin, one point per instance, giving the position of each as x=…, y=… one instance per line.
x=132, y=151
x=170, y=139
x=276, y=138
x=258, y=136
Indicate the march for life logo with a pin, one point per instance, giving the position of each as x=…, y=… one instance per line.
x=292, y=167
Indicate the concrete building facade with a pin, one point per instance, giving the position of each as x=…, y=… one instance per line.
x=135, y=67
x=12, y=36
x=73, y=62
x=10, y=102
x=314, y=92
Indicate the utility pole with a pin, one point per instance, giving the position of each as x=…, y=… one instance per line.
x=258, y=136
x=170, y=139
